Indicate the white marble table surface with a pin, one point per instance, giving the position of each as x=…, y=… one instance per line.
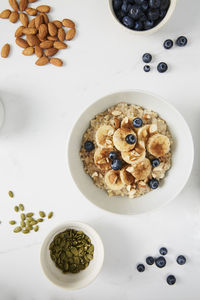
x=42, y=105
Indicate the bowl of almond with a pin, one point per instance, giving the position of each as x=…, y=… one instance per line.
x=126, y=152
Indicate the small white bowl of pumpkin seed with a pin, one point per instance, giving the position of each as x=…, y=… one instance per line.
x=72, y=255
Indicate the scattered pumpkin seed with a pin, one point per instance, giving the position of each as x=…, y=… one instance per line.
x=16, y=208
x=50, y=215
x=30, y=227
x=10, y=193
x=30, y=214
x=33, y=222
x=40, y=220
x=23, y=217
x=21, y=207
x=23, y=224
x=36, y=228
x=12, y=222
x=25, y=231
x=17, y=229
x=42, y=214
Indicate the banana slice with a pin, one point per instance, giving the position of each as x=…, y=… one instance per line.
x=158, y=145
x=104, y=136
x=113, y=180
x=126, y=177
x=145, y=132
x=127, y=123
x=134, y=156
x=119, y=139
x=101, y=159
x=141, y=170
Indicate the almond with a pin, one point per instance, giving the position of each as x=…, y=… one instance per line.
x=32, y=40
x=24, y=19
x=5, y=14
x=29, y=31
x=46, y=44
x=14, y=16
x=44, y=8
x=31, y=1
x=38, y=51
x=52, y=38
x=28, y=51
x=21, y=43
x=32, y=23
x=68, y=23
x=42, y=61
x=5, y=50
x=52, y=29
x=59, y=45
x=50, y=52
x=70, y=34
x=45, y=18
x=41, y=40
x=31, y=11
x=43, y=31
x=61, y=34
x=38, y=21
x=14, y=5
x=19, y=31
x=58, y=24
x=56, y=62
x=23, y=4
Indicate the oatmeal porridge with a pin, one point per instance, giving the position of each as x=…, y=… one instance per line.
x=127, y=150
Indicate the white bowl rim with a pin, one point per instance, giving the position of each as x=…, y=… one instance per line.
x=65, y=225
x=149, y=31
x=172, y=108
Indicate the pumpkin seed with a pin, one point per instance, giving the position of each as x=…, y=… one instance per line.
x=50, y=215
x=36, y=228
x=21, y=207
x=33, y=222
x=25, y=231
x=10, y=193
x=17, y=229
x=12, y=222
x=42, y=214
x=16, y=208
x=23, y=217
x=30, y=214
x=23, y=224
x=30, y=227
x=40, y=220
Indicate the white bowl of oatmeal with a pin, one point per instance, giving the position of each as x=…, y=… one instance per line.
x=152, y=151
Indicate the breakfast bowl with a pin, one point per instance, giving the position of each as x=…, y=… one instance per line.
x=182, y=155
x=125, y=17
x=85, y=276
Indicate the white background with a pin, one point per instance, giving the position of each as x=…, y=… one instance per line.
x=42, y=104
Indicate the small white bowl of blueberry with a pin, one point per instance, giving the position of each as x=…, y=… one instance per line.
x=142, y=16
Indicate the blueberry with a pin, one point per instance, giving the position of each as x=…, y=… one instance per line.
x=147, y=68
x=155, y=162
x=163, y=251
x=143, y=17
x=153, y=14
x=181, y=260
x=162, y=14
x=138, y=25
x=147, y=58
x=137, y=122
x=181, y=41
x=135, y=12
x=128, y=22
x=164, y=4
x=112, y=155
x=145, y=6
x=131, y=1
x=168, y=44
x=148, y=24
x=130, y=139
x=120, y=14
x=154, y=3
x=162, y=67
x=89, y=146
x=125, y=7
x=160, y=262
x=139, y=2
x=171, y=279
x=153, y=183
x=117, y=4
x=150, y=260
x=116, y=164
x=140, y=268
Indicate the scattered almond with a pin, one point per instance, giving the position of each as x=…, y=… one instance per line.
x=19, y=31
x=45, y=18
x=44, y=8
x=58, y=24
x=59, y=45
x=31, y=1
x=24, y=19
x=28, y=51
x=23, y=4
x=14, y=16
x=31, y=11
x=43, y=31
x=38, y=51
x=32, y=40
x=56, y=62
x=68, y=23
x=61, y=34
x=42, y=61
x=14, y=5
x=52, y=38
x=70, y=34
x=32, y=23
x=52, y=29
x=5, y=50
x=38, y=21
x=46, y=44
x=21, y=43
x=50, y=51
x=5, y=14
x=29, y=31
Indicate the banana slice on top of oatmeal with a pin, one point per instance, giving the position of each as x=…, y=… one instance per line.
x=113, y=180
x=104, y=136
x=124, y=139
